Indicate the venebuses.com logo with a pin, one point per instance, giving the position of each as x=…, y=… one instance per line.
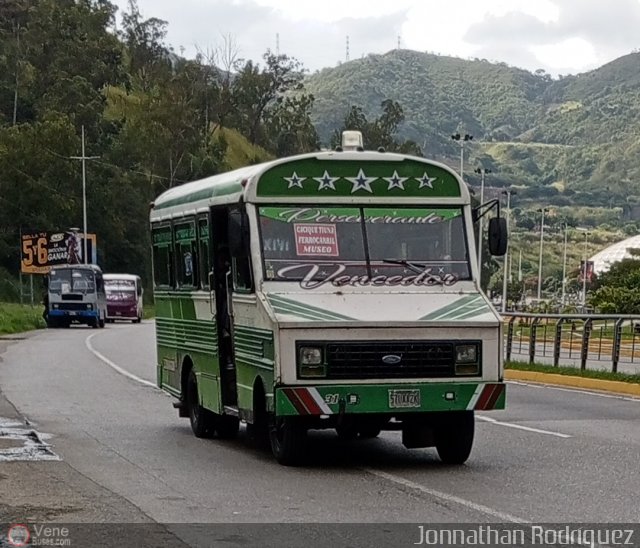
x=19, y=535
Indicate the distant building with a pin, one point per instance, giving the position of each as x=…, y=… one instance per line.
x=603, y=260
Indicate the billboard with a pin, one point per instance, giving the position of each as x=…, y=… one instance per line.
x=42, y=249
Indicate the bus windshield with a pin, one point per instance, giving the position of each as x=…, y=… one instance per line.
x=120, y=290
x=71, y=280
x=364, y=245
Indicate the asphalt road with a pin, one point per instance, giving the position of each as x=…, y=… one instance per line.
x=555, y=455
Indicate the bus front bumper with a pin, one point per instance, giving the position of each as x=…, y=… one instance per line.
x=389, y=398
x=80, y=315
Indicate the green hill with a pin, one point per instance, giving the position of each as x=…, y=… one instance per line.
x=567, y=141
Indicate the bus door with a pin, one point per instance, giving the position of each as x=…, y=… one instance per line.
x=220, y=283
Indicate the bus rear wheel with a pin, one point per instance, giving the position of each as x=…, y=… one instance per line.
x=202, y=421
x=454, y=437
x=287, y=437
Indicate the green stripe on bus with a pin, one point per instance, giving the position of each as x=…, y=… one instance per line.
x=297, y=308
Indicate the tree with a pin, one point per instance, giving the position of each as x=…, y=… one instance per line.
x=379, y=133
x=257, y=90
x=619, y=288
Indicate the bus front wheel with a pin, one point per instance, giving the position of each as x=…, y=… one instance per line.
x=202, y=421
x=454, y=437
x=287, y=437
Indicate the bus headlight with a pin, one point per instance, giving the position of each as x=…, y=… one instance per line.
x=310, y=362
x=467, y=359
x=310, y=355
x=89, y=306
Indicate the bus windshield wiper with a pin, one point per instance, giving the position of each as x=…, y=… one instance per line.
x=415, y=266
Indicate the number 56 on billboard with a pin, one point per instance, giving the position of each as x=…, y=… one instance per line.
x=40, y=250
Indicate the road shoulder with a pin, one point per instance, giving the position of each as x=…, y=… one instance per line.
x=600, y=385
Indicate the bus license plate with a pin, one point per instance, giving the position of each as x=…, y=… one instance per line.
x=404, y=398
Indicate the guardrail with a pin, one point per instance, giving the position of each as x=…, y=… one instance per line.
x=584, y=340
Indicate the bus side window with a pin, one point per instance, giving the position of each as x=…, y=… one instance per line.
x=99, y=284
x=162, y=256
x=241, y=268
x=242, y=276
x=204, y=253
x=186, y=254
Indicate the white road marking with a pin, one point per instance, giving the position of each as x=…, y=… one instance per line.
x=115, y=366
x=574, y=390
x=501, y=516
x=520, y=427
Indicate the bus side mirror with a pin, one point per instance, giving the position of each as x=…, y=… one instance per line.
x=238, y=233
x=498, y=236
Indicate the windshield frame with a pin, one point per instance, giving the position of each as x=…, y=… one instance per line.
x=368, y=269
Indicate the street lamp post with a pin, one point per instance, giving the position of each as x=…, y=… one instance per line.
x=542, y=210
x=84, y=195
x=564, y=264
x=508, y=194
x=584, y=266
x=483, y=172
x=462, y=139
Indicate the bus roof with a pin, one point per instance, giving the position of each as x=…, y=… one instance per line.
x=336, y=176
x=132, y=277
x=81, y=266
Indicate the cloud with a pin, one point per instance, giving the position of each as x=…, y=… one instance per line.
x=254, y=27
x=585, y=34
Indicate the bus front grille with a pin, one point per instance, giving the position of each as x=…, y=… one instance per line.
x=393, y=359
x=70, y=306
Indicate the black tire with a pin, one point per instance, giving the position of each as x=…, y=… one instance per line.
x=347, y=432
x=369, y=432
x=227, y=427
x=287, y=437
x=202, y=421
x=454, y=437
x=258, y=430
x=137, y=320
x=101, y=323
x=95, y=323
x=52, y=323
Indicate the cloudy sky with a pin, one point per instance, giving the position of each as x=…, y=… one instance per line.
x=559, y=36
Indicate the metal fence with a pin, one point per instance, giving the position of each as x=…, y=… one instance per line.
x=588, y=341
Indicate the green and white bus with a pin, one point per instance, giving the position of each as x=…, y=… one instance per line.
x=335, y=289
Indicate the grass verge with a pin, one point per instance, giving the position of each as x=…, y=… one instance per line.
x=148, y=312
x=574, y=372
x=15, y=318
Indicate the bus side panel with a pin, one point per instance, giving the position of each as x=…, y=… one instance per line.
x=168, y=368
x=186, y=334
x=198, y=343
x=254, y=352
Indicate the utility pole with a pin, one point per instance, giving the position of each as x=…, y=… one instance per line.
x=584, y=267
x=462, y=139
x=508, y=193
x=540, y=259
x=83, y=158
x=482, y=172
x=564, y=264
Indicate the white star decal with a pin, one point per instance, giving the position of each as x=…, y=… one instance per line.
x=425, y=180
x=294, y=180
x=326, y=181
x=395, y=181
x=361, y=182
